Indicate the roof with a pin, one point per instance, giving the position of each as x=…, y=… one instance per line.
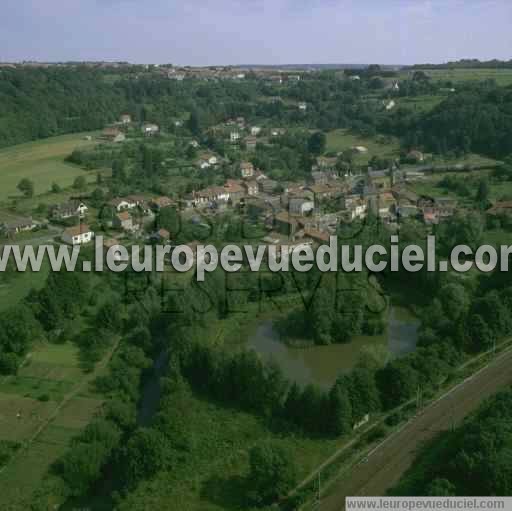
x=162, y=202
x=123, y=216
x=316, y=234
x=77, y=229
x=163, y=233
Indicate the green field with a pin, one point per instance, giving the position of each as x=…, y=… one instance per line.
x=420, y=103
x=342, y=140
x=15, y=289
x=502, y=76
x=41, y=405
x=42, y=162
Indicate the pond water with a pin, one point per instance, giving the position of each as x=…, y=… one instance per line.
x=322, y=364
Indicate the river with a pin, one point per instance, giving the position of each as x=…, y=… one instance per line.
x=322, y=364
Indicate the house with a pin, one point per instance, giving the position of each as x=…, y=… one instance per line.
x=415, y=156
x=150, y=130
x=360, y=149
x=286, y=224
x=322, y=192
x=355, y=207
x=317, y=236
x=234, y=137
x=113, y=135
x=430, y=216
x=303, y=106
x=235, y=190
x=390, y=105
x=123, y=221
x=268, y=185
x=386, y=205
x=68, y=210
x=294, y=78
x=500, y=208
x=210, y=196
x=125, y=119
x=255, y=130
x=319, y=177
x=300, y=206
x=250, y=143
x=194, y=143
x=277, y=132
x=77, y=235
x=326, y=162
x=246, y=169
x=19, y=225
x=161, y=236
x=161, y=202
x=120, y=204
x=251, y=187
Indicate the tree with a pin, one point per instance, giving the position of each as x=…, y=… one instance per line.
x=144, y=455
x=80, y=183
x=273, y=473
x=317, y=143
x=56, y=188
x=339, y=417
x=26, y=186
x=482, y=194
x=441, y=488
x=194, y=123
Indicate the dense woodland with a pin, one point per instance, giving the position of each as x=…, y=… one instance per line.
x=38, y=103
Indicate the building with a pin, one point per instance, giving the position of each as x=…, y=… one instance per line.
x=415, y=156
x=123, y=221
x=300, y=206
x=250, y=143
x=234, y=137
x=68, y=210
x=246, y=169
x=120, y=204
x=113, y=135
x=161, y=202
x=268, y=185
x=303, y=106
x=150, y=130
x=255, y=130
x=125, y=119
x=19, y=225
x=251, y=187
x=77, y=235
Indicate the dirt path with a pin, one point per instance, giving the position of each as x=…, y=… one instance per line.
x=393, y=457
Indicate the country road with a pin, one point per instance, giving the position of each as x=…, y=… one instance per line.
x=387, y=463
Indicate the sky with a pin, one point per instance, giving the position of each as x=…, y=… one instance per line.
x=220, y=32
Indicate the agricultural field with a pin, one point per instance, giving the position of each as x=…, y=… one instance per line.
x=501, y=76
x=42, y=162
x=42, y=410
x=343, y=140
x=420, y=103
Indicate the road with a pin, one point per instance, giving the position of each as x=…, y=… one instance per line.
x=386, y=464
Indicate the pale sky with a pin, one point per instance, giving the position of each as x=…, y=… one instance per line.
x=209, y=32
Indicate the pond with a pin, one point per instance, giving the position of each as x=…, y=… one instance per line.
x=322, y=364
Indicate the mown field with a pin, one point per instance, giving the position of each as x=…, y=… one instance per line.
x=502, y=76
x=42, y=162
x=382, y=147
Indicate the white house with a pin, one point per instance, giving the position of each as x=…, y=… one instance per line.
x=303, y=106
x=150, y=129
x=255, y=130
x=77, y=235
x=234, y=136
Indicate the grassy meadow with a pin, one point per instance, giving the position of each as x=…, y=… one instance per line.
x=42, y=162
x=501, y=76
x=342, y=140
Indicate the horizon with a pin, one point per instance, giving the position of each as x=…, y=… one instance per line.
x=278, y=32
